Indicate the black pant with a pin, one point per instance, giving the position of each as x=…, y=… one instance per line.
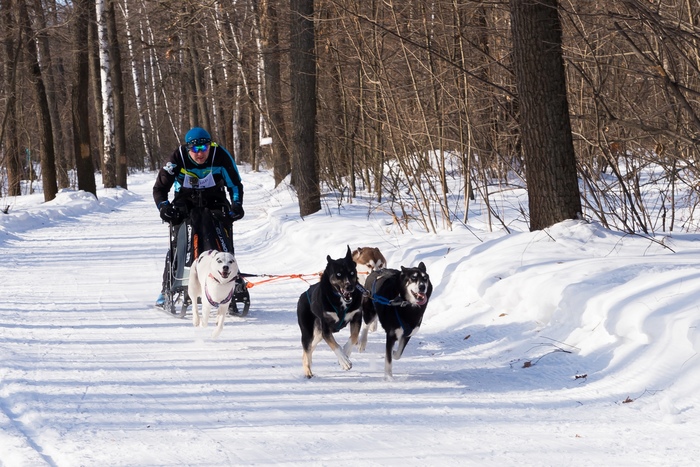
x=211, y=230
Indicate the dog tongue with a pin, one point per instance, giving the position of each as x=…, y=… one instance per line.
x=421, y=299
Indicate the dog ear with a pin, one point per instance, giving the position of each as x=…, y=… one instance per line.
x=421, y=267
x=348, y=256
x=328, y=258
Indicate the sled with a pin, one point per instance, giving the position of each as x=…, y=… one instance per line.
x=204, y=229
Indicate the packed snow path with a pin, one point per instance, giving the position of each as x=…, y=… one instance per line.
x=91, y=374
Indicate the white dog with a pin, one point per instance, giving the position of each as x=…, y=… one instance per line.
x=212, y=278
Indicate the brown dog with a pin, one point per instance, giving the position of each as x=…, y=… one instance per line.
x=367, y=259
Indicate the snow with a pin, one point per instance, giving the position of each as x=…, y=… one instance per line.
x=571, y=346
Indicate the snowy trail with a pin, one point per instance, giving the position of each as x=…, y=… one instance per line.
x=92, y=375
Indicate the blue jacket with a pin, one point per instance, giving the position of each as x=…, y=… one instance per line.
x=220, y=164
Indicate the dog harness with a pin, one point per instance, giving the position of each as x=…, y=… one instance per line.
x=225, y=300
x=382, y=300
x=395, y=304
x=341, y=319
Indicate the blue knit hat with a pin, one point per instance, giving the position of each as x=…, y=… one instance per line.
x=197, y=135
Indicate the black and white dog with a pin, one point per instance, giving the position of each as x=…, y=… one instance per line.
x=398, y=299
x=329, y=306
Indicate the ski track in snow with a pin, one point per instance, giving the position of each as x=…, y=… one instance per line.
x=92, y=375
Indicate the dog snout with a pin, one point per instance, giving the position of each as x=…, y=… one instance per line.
x=421, y=287
x=225, y=267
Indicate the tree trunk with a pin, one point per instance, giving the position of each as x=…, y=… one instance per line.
x=95, y=85
x=200, y=94
x=48, y=157
x=273, y=88
x=8, y=133
x=226, y=110
x=303, y=86
x=544, y=113
x=138, y=90
x=115, y=59
x=109, y=176
x=47, y=71
x=79, y=99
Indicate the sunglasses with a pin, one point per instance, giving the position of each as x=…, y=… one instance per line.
x=199, y=148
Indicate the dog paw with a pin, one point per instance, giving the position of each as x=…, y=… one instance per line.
x=345, y=363
x=343, y=359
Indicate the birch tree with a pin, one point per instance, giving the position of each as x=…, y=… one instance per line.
x=138, y=90
x=109, y=176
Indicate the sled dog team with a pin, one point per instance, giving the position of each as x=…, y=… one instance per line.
x=397, y=299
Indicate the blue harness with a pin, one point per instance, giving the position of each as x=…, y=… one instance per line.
x=394, y=304
x=341, y=322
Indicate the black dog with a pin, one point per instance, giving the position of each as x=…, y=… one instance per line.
x=398, y=299
x=329, y=306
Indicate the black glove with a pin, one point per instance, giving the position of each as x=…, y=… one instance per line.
x=237, y=212
x=169, y=213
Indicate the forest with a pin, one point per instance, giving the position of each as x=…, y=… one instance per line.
x=405, y=97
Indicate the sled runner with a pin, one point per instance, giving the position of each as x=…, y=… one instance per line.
x=203, y=229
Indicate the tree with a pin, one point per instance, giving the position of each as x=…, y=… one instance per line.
x=52, y=92
x=115, y=59
x=138, y=92
x=8, y=133
x=303, y=83
x=109, y=176
x=48, y=157
x=273, y=88
x=550, y=163
x=79, y=99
